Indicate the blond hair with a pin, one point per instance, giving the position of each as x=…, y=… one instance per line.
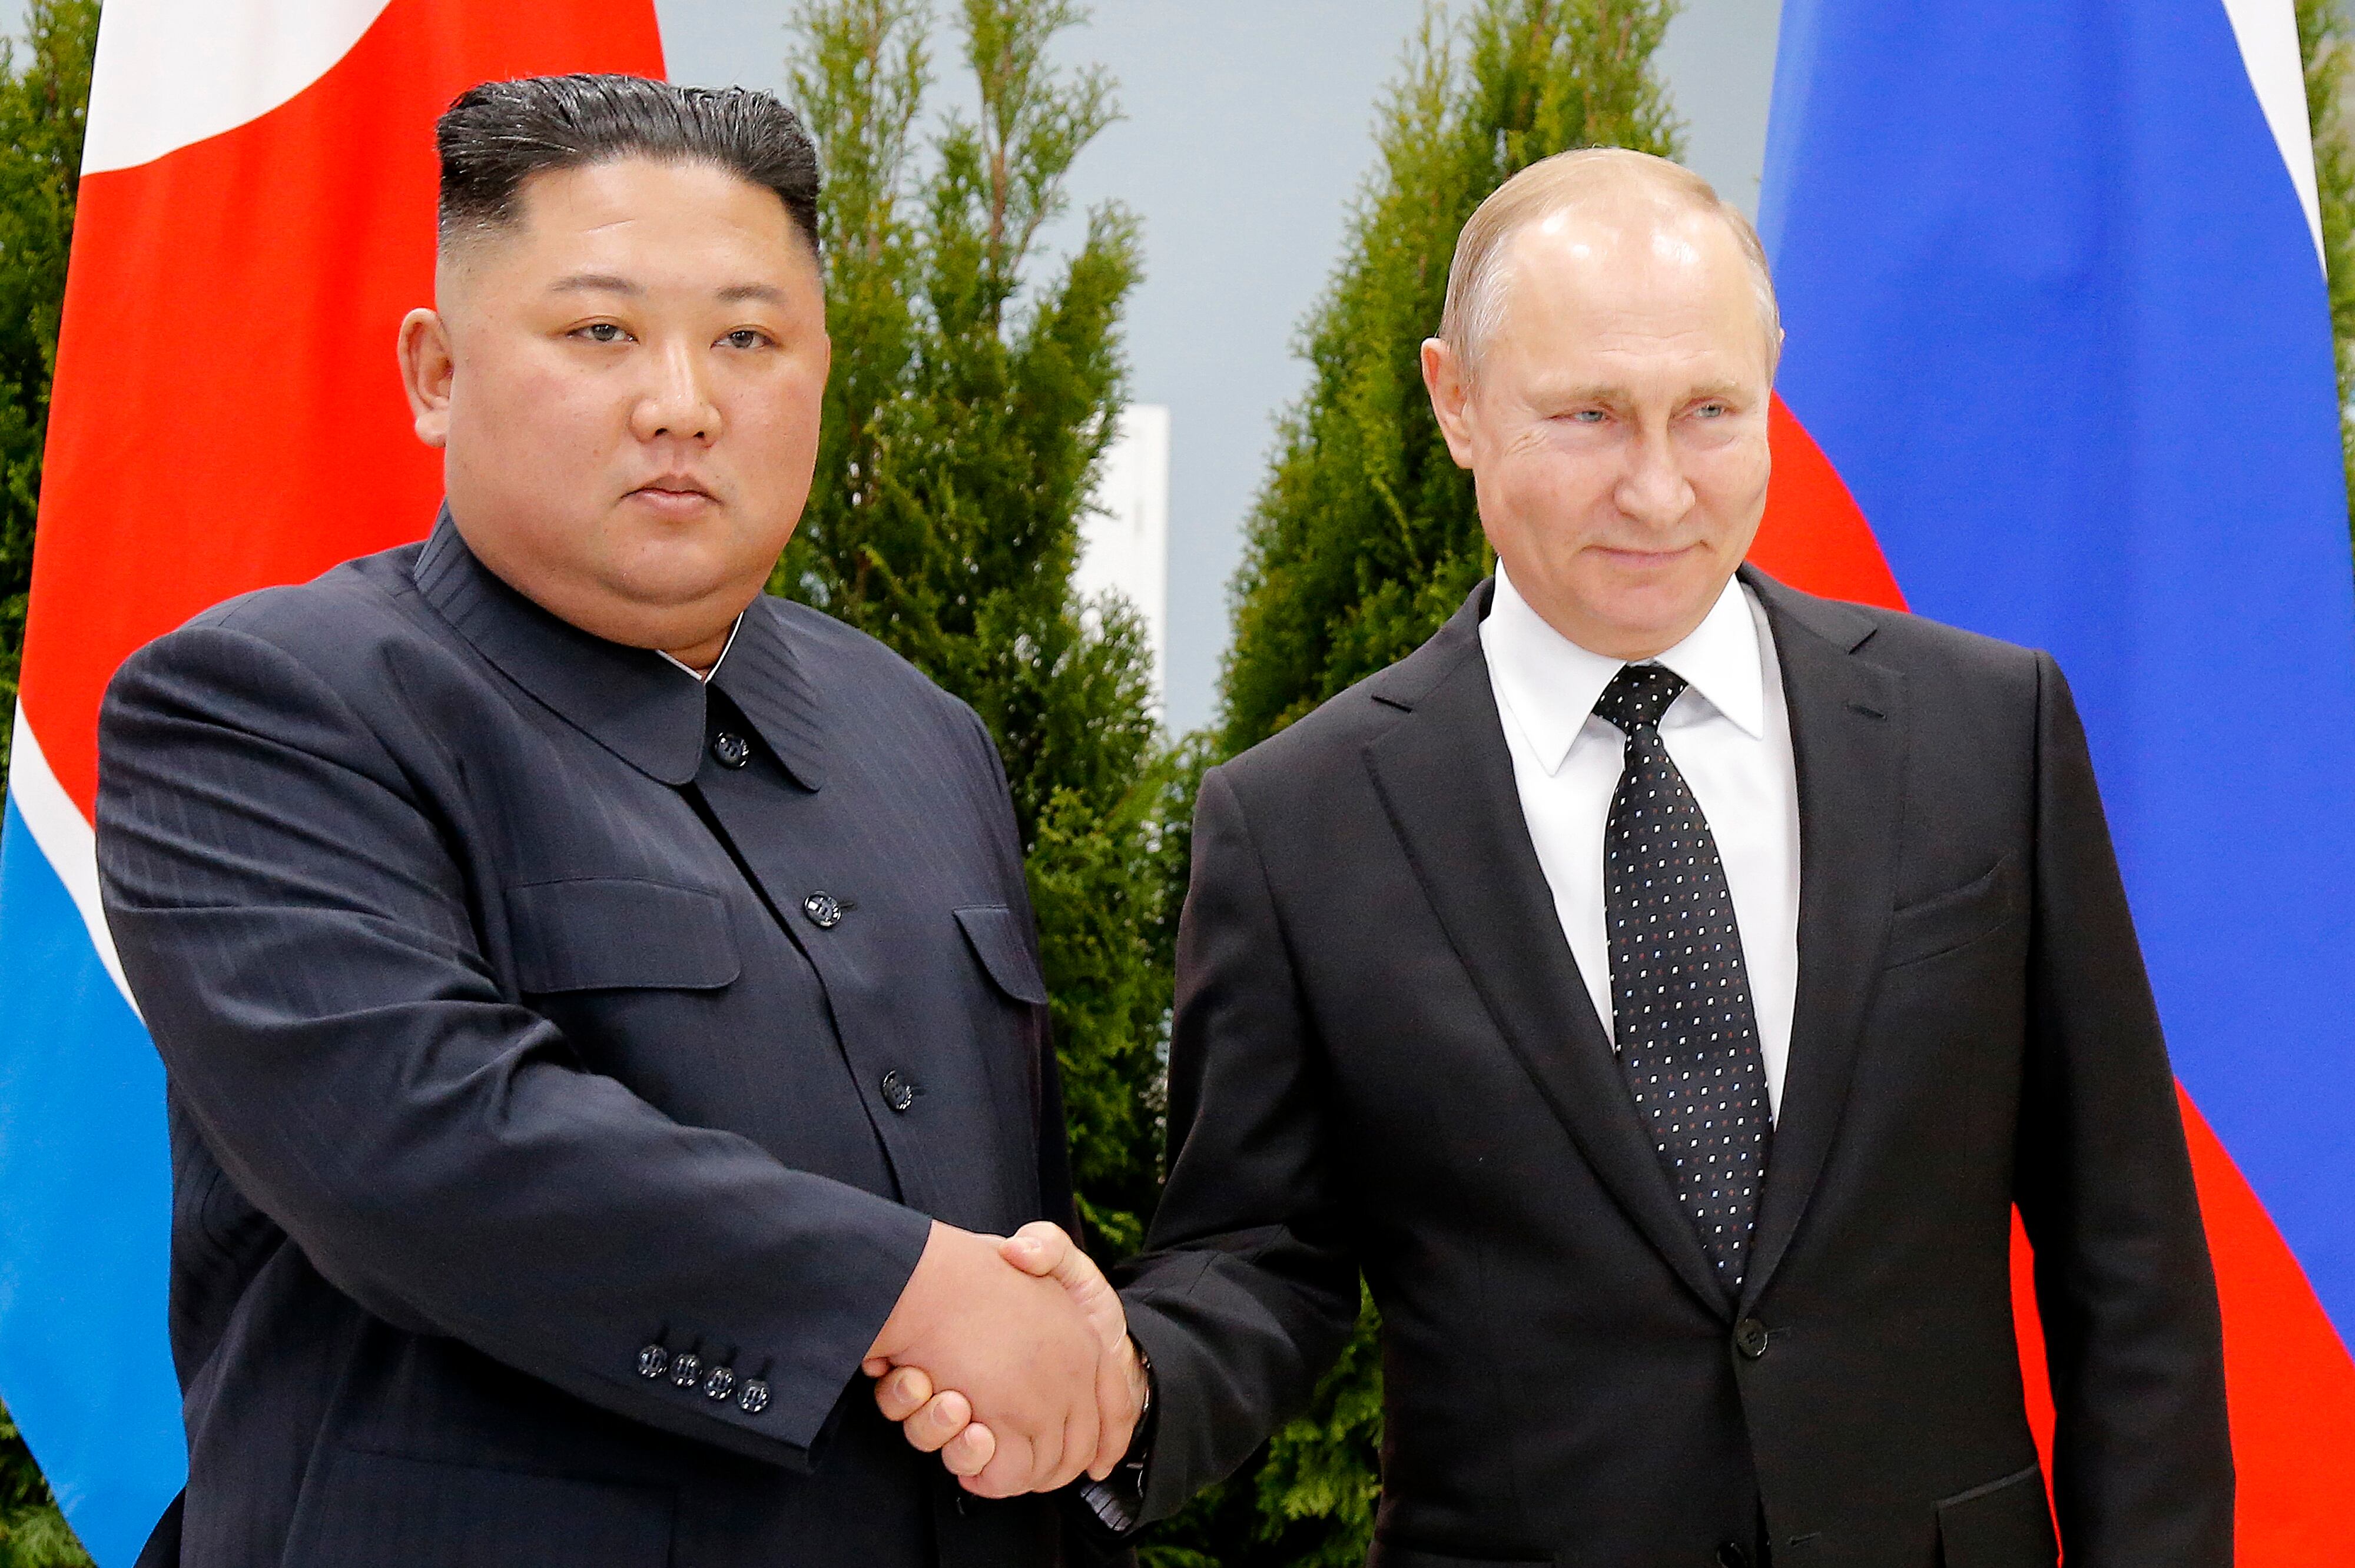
x=1476, y=293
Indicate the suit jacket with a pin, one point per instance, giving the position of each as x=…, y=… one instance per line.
x=555, y=1107
x=1385, y=1062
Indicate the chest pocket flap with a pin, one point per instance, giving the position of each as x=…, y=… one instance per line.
x=603, y=933
x=998, y=939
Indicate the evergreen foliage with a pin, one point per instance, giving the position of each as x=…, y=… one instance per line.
x=42, y=103
x=970, y=404
x=2324, y=39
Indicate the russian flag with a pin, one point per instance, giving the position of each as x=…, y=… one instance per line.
x=255, y=215
x=2060, y=370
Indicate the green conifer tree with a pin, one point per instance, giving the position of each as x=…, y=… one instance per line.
x=2324, y=39
x=974, y=389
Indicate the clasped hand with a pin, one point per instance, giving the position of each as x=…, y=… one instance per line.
x=1009, y=1357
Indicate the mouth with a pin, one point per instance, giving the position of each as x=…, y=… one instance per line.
x=1632, y=557
x=674, y=492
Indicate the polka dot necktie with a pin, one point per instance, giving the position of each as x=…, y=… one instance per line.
x=1679, y=993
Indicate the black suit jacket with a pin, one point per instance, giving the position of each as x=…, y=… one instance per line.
x=556, y=1109
x=1385, y=1061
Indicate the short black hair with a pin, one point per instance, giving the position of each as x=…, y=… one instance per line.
x=495, y=137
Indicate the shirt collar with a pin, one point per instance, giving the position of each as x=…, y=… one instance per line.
x=1552, y=683
x=704, y=676
x=645, y=708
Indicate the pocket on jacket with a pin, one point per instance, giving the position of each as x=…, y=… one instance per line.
x=1944, y=922
x=2003, y=1524
x=1000, y=943
x=388, y=1511
x=607, y=933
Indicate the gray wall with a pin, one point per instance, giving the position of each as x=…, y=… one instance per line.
x=1248, y=132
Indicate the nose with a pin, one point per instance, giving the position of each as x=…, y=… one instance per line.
x=679, y=403
x=1654, y=491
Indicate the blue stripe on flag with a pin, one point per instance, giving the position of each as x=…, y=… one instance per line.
x=2056, y=315
x=85, y=1211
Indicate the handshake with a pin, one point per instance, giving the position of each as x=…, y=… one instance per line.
x=1009, y=1357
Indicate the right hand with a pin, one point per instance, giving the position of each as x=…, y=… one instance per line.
x=942, y=1419
x=1018, y=1350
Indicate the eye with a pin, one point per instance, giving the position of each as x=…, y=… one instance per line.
x=601, y=331
x=746, y=337
x=1712, y=409
x=1586, y=415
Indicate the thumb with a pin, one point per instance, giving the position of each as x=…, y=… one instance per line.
x=1042, y=1249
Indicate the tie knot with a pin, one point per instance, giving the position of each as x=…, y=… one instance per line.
x=1637, y=695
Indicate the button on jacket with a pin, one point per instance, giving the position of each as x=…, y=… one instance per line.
x=563, y=1057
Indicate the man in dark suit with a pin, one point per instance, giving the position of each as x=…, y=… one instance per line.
x=600, y=1002
x=1660, y=987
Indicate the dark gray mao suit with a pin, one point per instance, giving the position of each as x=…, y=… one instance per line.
x=563, y=1058
x=1385, y=1063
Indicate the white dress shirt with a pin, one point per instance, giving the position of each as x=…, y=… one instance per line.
x=704, y=676
x=1729, y=732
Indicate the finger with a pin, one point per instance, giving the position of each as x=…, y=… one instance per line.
x=1038, y=1248
x=969, y=1452
x=1117, y=1409
x=875, y=1366
x=1009, y=1470
x=939, y=1421
x=902, y=1393
x=1082, y=1431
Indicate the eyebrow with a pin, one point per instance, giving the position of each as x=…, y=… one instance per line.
x=595, y=283
x=1611, y=392
x=610, y=283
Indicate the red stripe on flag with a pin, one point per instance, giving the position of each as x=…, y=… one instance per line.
x=227, y=412
x=1814, y=538
x=2290, y=1380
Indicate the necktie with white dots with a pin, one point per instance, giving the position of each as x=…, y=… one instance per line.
x=1679, y=993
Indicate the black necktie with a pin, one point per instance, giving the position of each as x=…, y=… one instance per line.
x=1679, y=993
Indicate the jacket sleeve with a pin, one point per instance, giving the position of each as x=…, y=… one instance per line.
x=2142, y=1456
x=297, y=933
x=1248, y=1289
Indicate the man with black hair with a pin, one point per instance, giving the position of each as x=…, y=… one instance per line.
x=600, y=1002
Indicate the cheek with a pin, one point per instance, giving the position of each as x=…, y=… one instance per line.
x=533, y=410
x=1548, y=489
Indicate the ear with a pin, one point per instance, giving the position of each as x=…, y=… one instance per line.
x=427, y=367
x=1451, y=396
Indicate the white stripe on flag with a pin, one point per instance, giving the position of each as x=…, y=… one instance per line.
x=2267, y=33
x=173, y=72
x=64, y=841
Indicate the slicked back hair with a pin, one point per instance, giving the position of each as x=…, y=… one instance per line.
x=495, y=137
x=1475, y=280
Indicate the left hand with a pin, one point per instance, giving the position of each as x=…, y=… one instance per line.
x=944, y=1421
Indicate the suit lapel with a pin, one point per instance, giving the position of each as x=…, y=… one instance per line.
x=1446, y=780
x=1847, y=734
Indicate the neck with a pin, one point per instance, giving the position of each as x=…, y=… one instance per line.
x=701, y=656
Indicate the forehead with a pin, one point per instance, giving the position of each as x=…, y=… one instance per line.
x=1623, y=274
x=675, y=211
